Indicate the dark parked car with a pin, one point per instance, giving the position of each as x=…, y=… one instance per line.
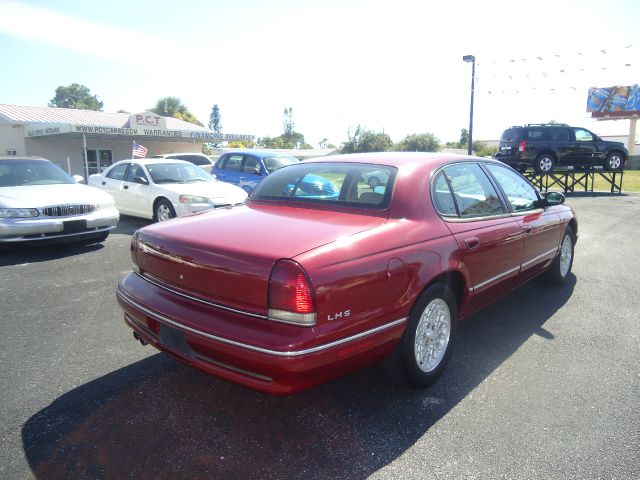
x=545, y=146
x=325, y=284
x=247, y=168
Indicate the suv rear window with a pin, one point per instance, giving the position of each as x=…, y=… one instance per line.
x=509, y=135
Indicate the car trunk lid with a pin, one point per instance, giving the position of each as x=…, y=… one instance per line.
x=226, y=256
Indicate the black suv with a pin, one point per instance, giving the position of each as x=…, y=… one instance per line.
x=544, y=146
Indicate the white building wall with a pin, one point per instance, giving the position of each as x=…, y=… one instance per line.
x=12, y=138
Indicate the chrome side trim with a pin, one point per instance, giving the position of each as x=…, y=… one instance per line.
x=493, y=279
x=524, y=213
x=527, y=264
x=158, y=284
x=288, y=354
x=475, y=219
x=523, y=266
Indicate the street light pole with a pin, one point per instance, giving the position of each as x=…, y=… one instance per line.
x=471, y=59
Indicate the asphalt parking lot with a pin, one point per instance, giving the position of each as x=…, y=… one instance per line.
x=544, y=384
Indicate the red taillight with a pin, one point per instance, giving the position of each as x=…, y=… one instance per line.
x=290, y=294
x=523, y=146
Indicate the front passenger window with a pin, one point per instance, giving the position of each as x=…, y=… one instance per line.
x=520, y=194
x=251, y=165
x=135, y=171
x=583, y=135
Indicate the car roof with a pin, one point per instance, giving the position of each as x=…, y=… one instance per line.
x=147, y=161
x=163, y=155
x=398, y=159
x=17, y=157
x=259, y=153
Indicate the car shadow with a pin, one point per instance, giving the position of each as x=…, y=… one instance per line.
x=159, y=419
x=128, y=225
x=19, y=254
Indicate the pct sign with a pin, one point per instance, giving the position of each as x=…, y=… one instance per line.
x=147, y=119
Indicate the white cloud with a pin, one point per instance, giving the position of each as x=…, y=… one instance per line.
x=95, y=39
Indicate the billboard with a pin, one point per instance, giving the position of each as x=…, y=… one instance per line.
x=619, y=101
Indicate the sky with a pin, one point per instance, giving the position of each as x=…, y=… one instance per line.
x=390, y=66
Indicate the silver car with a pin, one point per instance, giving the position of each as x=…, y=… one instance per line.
x=40, y=202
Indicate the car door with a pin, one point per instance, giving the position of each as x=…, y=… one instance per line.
x=229, y=170
x=585, y=151
x=112, y=183
x=137, y=192
x=541, y=227
x=490, y=240
x=251, y=173
x=562, y=142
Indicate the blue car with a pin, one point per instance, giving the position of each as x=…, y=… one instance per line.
x=246, y=169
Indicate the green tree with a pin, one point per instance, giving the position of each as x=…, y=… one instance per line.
x=363, y=140
x=419, y=142
x=173, y=107
x=241, y=144
x=293, y=140
x=481, y=149
x=464, y=138
x=215, y=124
x=75, y=96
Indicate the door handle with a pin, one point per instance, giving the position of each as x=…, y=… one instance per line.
x=527, y=229
x=472, y=243
x=126, y=187
x=104, y=183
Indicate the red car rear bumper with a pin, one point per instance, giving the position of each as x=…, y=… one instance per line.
x=204, y=337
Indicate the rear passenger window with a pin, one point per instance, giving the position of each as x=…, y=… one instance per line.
x=442, y=197
x=473, y=193
x=117, y=173
x=536, y=134
x=233, y=163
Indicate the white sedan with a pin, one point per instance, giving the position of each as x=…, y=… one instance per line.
x=40, y=203
x=161, y=189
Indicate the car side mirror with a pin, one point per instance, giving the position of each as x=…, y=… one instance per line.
x=553, y=198
x=79, y=179
x=141, y=180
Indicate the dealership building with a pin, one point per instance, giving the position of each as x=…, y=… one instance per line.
x=68, y=136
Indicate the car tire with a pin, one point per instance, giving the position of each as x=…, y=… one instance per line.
x=373, y=182
x=545, y=163
x=614, y=162
x=163, y=210
x=426, y=345
x=560, y=268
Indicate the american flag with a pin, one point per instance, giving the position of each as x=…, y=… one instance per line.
x=138, y=151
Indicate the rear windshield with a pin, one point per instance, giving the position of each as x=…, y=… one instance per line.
x=509, y=135
x=195, y=159
x=352, y=184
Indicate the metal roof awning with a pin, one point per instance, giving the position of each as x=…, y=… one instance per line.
x=74, y=123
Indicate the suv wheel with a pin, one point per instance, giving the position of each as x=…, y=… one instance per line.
x=545, y=163
x=614, y=161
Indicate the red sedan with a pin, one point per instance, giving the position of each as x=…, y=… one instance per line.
x=320, y=273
